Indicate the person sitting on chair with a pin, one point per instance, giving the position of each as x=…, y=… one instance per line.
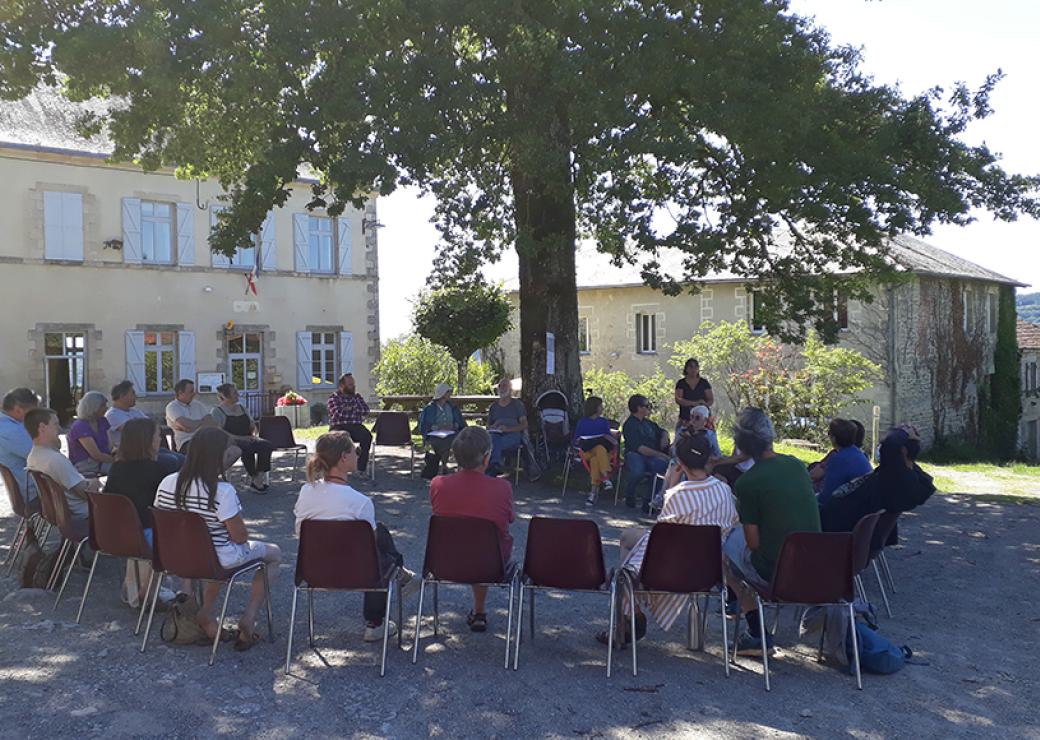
x=507, y=424
x=88, y=436
x=328, y=496
x=774, y=498
x=846, y=462
x=15, y=441
x=699, y=500
x=347, y=412
x=439, y=422
x=597, y=444
x=45, y=457
x=646, y=450
x=197, y=488
x=470, y=492
x=186, y=415
x=256, y=452
x=124, y=408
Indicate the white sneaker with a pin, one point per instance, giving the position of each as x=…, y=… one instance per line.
x=607, y=485
x=407, y=582
x=591, y=500
x=375, y=634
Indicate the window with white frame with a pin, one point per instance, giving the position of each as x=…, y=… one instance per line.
x=584, y=340
x=245, y=360
x=157, y=232
x=321, y=256
x=646, y=333
x=753, y=320
x=160, y=361
x=62, y=226
x=323, y=358
x=1029, y=377
x=992, y=312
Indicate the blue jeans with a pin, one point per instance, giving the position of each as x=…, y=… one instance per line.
x=502, y=443
x=639, y=467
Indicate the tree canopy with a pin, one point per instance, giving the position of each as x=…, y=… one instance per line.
x=640, y=124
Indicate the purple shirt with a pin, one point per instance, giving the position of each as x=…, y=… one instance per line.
x=80, y=429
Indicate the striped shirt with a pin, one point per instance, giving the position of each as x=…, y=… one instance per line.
x=707, y=502
x=197, y=502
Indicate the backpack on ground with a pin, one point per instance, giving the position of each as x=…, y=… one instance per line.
x=877, y=654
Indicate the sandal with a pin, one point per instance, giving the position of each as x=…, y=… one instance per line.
x=477, y=621
x=244, y=642
x=226, y=635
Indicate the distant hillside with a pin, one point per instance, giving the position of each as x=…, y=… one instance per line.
x=1029, y=307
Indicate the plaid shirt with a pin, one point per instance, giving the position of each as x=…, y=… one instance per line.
x=345, y=409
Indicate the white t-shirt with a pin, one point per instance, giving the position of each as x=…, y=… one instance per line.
x=333, y=501
x=195, y=411
x=197, y=502
x=117, y=418
x=51, y=462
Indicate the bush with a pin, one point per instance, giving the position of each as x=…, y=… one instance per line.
x=616, y=387
x=411, y=365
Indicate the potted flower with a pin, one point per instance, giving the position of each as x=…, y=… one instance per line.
x=293, y=406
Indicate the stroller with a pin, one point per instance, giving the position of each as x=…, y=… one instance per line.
x=555, y=426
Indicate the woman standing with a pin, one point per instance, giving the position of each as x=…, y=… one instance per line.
x=232, y=417
x=692, y=390
x=89, y=448
x=197, y=488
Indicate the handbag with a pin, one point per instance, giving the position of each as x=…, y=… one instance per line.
x=179, y=627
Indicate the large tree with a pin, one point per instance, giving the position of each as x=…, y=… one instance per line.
x=535, y=123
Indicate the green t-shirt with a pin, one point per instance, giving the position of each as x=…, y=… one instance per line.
x=777, y=495
x=641, y=433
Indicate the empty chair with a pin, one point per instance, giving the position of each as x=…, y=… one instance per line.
x=862, y=535
x=392, y=429
x=278, y=431
x=28, y=513
x=115, y=530
x=685, y=559
x=462, y=551
x=340, y=556
x=813, y=569
x=74, y=532
x=567, y=555
x=182, y=547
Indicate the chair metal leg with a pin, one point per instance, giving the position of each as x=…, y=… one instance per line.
x=68, y=572
x=220, y=621
x=703, y=613
x=610, y=629
x=632, y=616
x=270, y=614
x=53, y=578
x=509, y=619
x=16, y=545
x=144, y=602
x=762, y=637
x=857, y=583
x=418, y=621
x=151, y=612
x=855, y=647
x=887, y=571
x=86, y=589
x=436, y=608
x=411, y=470
x=881, y=585
x=823, y=639
x=516, y=470
x=691, y=637
x=310, y=617
x=566, y=477
x=386, y=628
x=400, y=618
x=725, y=629
x=519, y=625
x=292, y=626
x=531, y=614
x=295, y=464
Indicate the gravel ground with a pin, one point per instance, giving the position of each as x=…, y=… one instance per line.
x=972, y=674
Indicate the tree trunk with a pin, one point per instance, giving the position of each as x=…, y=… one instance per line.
x=545, y=221
x=461, y=366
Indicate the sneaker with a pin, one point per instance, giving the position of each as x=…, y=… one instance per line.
x=407, y=582
x=607, y=485
x=257, y=483
x=374, y=632
x=751, y=647
x=591, y=500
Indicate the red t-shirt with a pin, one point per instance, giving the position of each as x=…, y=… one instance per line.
x=469, y=493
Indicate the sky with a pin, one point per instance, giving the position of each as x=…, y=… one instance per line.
x=916, y=43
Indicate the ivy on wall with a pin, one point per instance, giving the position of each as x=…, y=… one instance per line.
x=1000, y=406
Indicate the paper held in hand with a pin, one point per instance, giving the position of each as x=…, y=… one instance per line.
x=440, y=433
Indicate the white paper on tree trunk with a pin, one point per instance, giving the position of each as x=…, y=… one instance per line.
x=550, y=353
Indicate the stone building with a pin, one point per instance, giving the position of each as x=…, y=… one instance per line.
x=1029, y=425
x=933, y=332
x=107, y=275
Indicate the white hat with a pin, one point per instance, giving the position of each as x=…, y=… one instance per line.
x=441, y=390
x=702, y=410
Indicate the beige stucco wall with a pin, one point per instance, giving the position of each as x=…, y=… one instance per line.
x=108, y=297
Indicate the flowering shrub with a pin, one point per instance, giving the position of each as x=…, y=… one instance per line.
x=292, y=398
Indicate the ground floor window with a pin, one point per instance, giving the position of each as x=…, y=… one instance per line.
x=160, y=361
x=245, y=361
x=65, y=371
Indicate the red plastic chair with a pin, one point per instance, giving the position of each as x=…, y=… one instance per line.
x=567, y=555
x=462, y=551
x=813, y=569
x=686, y=559
x=55, y=509
x=574, y=456
x=340, y=556
x=862, y=535
x=278, y=431
x=182, y=547
x=28, y=513
x=883, y=536
x=115, y=530
x=392, y=429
